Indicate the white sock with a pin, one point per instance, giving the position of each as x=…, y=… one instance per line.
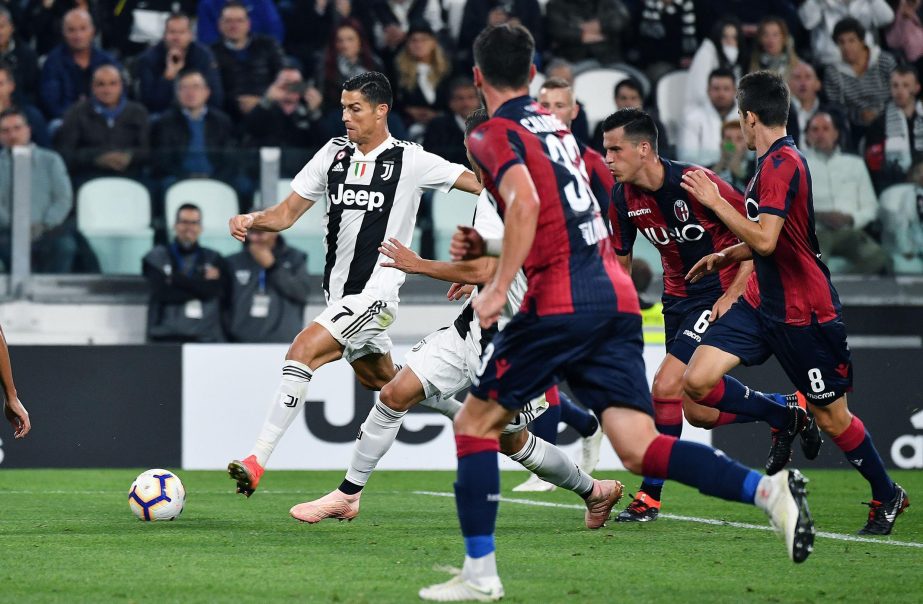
x=551, y=464
x=284, y=408
x=764, y=491
x=484, y=567
x=375, y=438
x=448, y=407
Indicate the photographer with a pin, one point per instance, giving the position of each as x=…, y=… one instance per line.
x=159, y=66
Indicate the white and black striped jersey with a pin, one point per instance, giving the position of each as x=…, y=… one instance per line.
x=369, y=198
x=489, y=225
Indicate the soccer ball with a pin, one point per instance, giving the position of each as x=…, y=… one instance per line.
x=157, y=495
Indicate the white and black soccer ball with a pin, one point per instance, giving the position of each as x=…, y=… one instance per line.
x=157, y=495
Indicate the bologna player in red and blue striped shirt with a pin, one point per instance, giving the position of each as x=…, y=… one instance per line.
x=580, y=322
x=790, y=308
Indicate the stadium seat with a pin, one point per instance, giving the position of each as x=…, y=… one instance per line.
x=888, y=208
x=114, y=214
x=593, y=88
x=450, y=210
x=536, y=84
x=218, y=202
x=671, y=98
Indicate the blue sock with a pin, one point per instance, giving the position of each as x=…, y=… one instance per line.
x=856, y=443
x=712, y=472
x=477, y=491
x=733, y=397
x=545, y=426
x=577, y=417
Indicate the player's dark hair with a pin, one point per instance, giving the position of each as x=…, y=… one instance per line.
x=721, y=72
x=764, y=94
x=847, y=25
x=906, y=70
x=188, y=206
x=629, y=83
x=638, y=125
x=374, y=86
x=503, y=53
x=475, y=119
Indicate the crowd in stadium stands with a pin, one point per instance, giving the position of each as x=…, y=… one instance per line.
x=164, y=90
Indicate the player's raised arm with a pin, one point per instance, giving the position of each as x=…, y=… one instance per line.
x=277, y=218
x=13, y=409
x=521, y=219
x=401, y=257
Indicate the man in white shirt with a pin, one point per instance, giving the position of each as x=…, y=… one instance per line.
x=371, y=184
x=700, y=133
x=844, y=200
x=805, y=86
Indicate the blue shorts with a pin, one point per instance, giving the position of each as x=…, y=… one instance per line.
x=600, y=356
x=815, y=357
x=685, y=321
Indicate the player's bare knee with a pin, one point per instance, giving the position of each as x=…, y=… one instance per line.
x=390, y=397
x=833, y=420
x=373, y=382
x=667, y=385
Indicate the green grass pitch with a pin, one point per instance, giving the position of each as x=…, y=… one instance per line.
x=68, y=536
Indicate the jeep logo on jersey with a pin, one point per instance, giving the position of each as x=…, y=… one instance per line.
x=363, y=199
x=662, y=236
x=753, y=209
x=681, y=210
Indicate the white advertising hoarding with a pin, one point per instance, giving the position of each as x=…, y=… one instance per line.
x=227, y=388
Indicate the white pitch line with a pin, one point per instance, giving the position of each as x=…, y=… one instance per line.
x=709, y=521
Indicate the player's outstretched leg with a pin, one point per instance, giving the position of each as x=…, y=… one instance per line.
x=546, y=428
x=848, y=432
x=781, y=496
x=477, y=494
x=551, y=464
x=587, y=426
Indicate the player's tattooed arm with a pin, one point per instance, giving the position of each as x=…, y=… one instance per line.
x=13, y=409
x=401, y=257
x=277, y=218
x=760, y=235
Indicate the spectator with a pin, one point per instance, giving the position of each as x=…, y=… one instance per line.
x=186, y=285
x=805, y=87
x=844, y=200
x=587, y=29
x=45, y=19
x=737, y=164
x=628, y=94
x=388, y=21
x=422, y=71
x=263, y=19
x=70, y=65
x=248, y=63
x=903, y=226
x=159, y=66
x=19, y=57
x=906, y=34
x=820, y=17
x=267, y=290
x=37, y=125
x=287, y=117
x=348, y=54
x=748, y=13
x=105, y=135
x=774, y=48
x=559, y=68
x=132, y=26
x=666, y=36
x=193, y=140
x=478, y=14
x=700, y=132
x=315, y=19
x=54, y=242
x=895, y=139
x=445, y=135
x=859, y=80
x=724, y=47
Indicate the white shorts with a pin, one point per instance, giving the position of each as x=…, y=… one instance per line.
x=359, y=322
x=443, y=362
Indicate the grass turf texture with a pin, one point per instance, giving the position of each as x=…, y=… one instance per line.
x=68, y=536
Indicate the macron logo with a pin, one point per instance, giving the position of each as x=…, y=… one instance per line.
x=371, y=200
x=641, y=212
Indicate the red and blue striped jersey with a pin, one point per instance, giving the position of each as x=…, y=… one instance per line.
x=571, y=267
x=679, y=226
x=601, y=180
x=791, y=285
